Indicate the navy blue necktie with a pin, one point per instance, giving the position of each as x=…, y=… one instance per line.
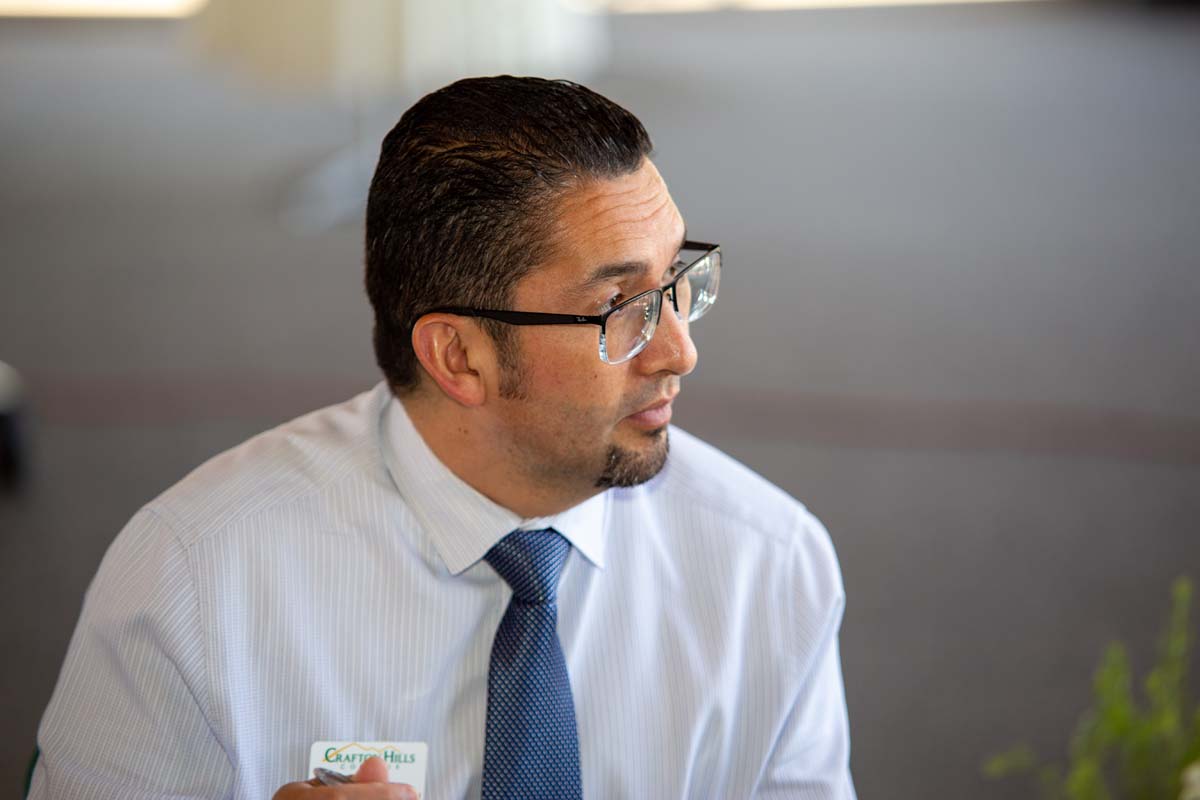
x=531, y=749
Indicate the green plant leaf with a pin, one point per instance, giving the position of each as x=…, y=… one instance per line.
x=1140, y=747
x=1020, y=760
x=1086, y=780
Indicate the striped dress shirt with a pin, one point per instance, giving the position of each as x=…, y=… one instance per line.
x=324, y=581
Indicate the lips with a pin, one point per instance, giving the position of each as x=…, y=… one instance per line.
x=655, y=415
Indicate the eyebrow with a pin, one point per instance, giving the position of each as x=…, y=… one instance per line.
x=623, y=269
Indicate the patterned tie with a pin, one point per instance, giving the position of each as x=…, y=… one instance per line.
x=531, y=749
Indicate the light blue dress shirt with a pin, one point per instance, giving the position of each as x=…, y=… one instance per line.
x=324, y=581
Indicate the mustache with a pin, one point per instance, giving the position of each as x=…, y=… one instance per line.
x=667, y=388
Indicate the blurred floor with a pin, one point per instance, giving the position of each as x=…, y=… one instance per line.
x=958, y=322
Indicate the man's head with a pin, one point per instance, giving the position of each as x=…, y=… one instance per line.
x=515, y=193
x=462, y=203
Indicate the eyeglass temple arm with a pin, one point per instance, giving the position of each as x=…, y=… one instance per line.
x=522, y=317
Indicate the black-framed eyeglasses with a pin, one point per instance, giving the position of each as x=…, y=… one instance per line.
x=626, y=328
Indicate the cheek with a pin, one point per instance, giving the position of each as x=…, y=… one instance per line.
x=568, y=368
x=577, y=381
x=595, y=387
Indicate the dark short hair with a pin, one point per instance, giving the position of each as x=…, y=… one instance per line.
x=463, y=199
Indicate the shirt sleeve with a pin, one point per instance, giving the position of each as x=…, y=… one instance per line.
x=811, y=757
x=129, y=717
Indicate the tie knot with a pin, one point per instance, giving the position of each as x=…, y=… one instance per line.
x=530, y=562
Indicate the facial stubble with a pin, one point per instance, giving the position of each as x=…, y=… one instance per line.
x=625, y=467
x=622, y=467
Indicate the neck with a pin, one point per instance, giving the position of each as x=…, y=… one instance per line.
x=463, y=441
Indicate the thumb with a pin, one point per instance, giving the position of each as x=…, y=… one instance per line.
x=373, y=770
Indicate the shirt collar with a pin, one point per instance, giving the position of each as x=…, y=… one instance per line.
x=462, y=523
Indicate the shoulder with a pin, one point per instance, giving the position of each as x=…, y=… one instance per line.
x=293, y=463
x=726, y=548
x=696, y=468
x=698, y=473
x=738, y=512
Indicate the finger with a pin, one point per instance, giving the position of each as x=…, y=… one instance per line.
x=347, y=791
x=373, y=791
x=373, y=770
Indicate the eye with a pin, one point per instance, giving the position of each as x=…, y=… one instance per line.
x=611, y=302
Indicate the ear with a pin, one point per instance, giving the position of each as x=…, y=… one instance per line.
x=458, y=356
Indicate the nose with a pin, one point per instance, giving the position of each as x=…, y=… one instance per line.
x=671, y=349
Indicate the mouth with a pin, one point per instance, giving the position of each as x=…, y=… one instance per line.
x=655, y=415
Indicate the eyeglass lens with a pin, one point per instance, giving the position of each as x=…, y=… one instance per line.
x=630, y=328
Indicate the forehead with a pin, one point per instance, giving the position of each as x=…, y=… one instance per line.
x=629, y=218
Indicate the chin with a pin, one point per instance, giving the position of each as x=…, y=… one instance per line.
x=628, y=467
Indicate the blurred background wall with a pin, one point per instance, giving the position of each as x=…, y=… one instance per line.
x=959, y=319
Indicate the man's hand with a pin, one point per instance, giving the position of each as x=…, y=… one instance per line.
x=370, y=783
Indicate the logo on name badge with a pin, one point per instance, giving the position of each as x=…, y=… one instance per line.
x=405, y=761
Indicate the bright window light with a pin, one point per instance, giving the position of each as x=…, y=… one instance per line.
x=682, y=6
x=99, y=8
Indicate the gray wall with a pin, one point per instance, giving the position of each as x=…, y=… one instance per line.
x=958, y=321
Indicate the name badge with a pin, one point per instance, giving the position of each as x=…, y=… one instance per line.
x=405, y=761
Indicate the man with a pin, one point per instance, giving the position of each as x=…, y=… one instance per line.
x=491, y=553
